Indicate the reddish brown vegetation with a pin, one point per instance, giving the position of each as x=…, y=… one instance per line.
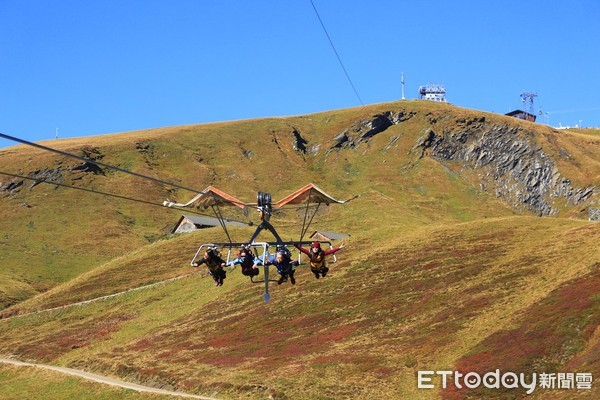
x=549, y=335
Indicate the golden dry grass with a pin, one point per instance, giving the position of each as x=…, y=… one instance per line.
x=435, y=269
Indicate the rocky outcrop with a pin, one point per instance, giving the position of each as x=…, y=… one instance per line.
x=366, y=129
x=507, y=161
x=46, y=175
x=55, y=175
x=50, y=175
x=299, y=143
x=301, y=146
x=92, y=154
x=11, y=186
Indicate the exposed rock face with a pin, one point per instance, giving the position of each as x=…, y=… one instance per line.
x=518, y=170
x=11, y=186
x=506, y=159
x=247, y=153
x=365, y=130
x=93, y=154
x=52, y=175
x=46, y=175
x=299, y=143
x=56, y=175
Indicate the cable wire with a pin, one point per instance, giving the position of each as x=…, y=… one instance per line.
x=110, y=195
x=336, y=53
x=101, y=164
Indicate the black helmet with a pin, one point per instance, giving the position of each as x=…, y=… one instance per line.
x=283, y=250
x=212, y=251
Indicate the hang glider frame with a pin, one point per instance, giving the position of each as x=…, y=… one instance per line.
x=213, y=197
x=265, y=253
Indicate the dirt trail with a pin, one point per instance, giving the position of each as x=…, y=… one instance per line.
x=81, y=303
x=103, y=379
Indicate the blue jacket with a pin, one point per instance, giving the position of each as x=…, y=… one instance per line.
x=240, y=260
x=284, y=267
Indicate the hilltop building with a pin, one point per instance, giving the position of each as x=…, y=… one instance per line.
x=527, y=112
x=522, y=115
x=323, y=236
x=190, y=223
x=433, y=92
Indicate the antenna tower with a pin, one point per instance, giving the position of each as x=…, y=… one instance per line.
x=527, y=99
x=403, y=98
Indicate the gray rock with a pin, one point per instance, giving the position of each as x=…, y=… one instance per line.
x=520, y=171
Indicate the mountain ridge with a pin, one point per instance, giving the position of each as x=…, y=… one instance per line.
x=439, y=270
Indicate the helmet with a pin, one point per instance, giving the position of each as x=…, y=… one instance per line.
x=212, y=251
x=315, y=244
x=281, y=249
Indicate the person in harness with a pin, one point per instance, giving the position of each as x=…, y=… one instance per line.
x=282, y=260
x=248, y=261
x=215, y=265
x=316, y=254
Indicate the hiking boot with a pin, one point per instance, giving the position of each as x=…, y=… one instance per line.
x=292, y=279
x=317, y=275
x=280, y=281
x=324, y=272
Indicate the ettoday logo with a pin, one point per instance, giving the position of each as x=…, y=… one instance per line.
x=508, y=380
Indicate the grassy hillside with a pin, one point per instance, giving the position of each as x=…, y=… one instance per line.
x=429, y=299
x=586, y=131
x=24, y=383
x=51, y=234
x=448, y=266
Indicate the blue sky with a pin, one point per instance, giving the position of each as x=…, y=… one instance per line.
x=92, y=67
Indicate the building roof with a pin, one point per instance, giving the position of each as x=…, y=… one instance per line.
x=522, y=115
x=210, y=196
x=204, y=221
x=210, y=221
x=330, y=235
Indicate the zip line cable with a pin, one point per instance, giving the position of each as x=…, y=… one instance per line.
x=98, y=163
x=109, y=195
x=101, y=164
x=336, y=53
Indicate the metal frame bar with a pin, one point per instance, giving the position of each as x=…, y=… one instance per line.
x=265, y=246
x=305, y=229
x=219, y=215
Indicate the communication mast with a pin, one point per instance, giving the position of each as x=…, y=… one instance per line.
x=527, y=99
x=403, y=86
